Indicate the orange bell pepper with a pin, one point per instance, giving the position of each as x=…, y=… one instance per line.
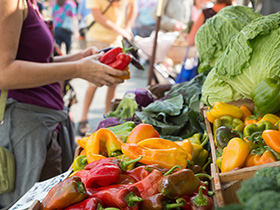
x=102, y=140
x=163, y=152
x=140, y=132
x=258, y=159
x=272, y=139
x=246, y=111
x=235, y=154
x=250, y=120
x=83, y=141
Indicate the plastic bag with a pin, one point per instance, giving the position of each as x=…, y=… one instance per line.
x=189, y=67
x=164, y=43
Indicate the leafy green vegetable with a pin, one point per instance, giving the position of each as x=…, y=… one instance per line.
x=264, y=200
x=214, y=35
x=251, y=56
x=177, y=115
x=126, y=107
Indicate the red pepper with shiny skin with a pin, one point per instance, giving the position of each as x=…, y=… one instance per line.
x=89, y=204
x=64, y=194
x=201, y=201
x=105, y=171
x=125, y=197
x=110, y=56
x=138, y=173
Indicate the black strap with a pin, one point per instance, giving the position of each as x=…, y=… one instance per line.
x=92, y=23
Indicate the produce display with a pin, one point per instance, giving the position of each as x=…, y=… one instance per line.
x=241, y=142
x=142, y=171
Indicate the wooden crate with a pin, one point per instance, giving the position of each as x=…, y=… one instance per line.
x=226, y=184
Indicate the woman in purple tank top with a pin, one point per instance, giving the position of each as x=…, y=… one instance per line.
x=35, y=125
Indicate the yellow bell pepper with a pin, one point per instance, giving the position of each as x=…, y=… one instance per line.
x=104, y=141
x=234, y=154
x=271, y=118
x=159, y=151
x=219, y=109
x=187, y=146
x=246, y=111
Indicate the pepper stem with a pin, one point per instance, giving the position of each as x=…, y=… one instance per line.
x=99, y=207
x=239, y=133
x=208, y=103
x=203, y=175
x=132, y=199
x=180, y=202
x=172, y=169
x=125, y=164
x=206, y=164
x=125, y=50
x=205, y=138
x=200, y=199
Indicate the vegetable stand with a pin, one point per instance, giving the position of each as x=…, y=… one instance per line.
x=226, y=184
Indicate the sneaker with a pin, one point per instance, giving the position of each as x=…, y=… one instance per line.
x=83, y=128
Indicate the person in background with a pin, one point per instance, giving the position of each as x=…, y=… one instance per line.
x=36, y=128
x=145, y=23
x=64, y=11
x=108, y=31
x=82, y=14
x=206, y=13
x=176, y=15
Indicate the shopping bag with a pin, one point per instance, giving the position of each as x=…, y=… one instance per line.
x=7, y=171
x=189, y=67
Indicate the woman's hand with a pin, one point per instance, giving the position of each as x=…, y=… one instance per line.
x=98, y=73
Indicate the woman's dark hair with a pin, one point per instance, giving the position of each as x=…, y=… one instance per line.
x=60, y=2
x=227, y=2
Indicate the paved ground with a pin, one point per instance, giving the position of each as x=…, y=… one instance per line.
x=95, y=115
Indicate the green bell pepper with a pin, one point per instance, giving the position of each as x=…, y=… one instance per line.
x=79, y=162
x=266, y=96
x=228, y=121
x=252, y=128
x=123, y=130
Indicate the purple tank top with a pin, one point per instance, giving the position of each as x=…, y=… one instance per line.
x=36, y=44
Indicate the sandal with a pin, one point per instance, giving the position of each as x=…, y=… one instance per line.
x=83, y=128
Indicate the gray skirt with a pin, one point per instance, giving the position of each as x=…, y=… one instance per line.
x=40, y=152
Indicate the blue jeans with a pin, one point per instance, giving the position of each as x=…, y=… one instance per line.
x=60, y=36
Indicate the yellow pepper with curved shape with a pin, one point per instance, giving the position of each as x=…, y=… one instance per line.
x=234, y=154
x=219, y=109
x=159, y=151
x=102, y=141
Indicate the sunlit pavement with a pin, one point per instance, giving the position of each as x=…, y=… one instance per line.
x=95, y=115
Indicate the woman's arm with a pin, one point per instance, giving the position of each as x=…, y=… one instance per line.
x=100, y=18
x=198, y=23
x=17, y=74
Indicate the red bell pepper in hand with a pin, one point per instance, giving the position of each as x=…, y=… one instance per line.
x=122, y=196
x=64, y=194
x=121, y=62
x=110, y=56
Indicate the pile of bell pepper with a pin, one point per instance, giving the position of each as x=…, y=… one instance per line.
x=138, y=171
x=243, y=138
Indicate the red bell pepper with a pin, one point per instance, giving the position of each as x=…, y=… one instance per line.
x=125, y=197
x=110, y=56
x=105, y=171
x=89, y=204
x=138, y=173
x=149, y=185
x=117, y=58
x=201, y=201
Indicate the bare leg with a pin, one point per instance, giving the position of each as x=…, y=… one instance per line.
x=109, y=97
x=87, y=101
